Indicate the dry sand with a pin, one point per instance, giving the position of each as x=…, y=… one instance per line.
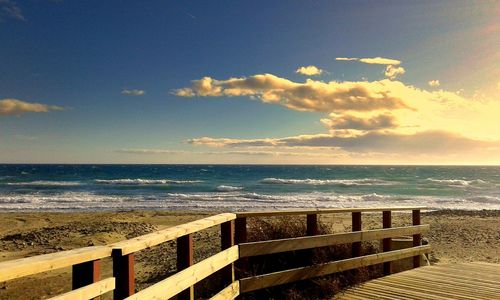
x=455, y=236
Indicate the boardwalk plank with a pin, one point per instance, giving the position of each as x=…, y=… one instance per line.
x=465, y=281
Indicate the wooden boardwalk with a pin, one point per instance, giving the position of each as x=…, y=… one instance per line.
x=454, y=281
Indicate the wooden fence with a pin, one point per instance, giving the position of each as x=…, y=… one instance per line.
x=235, y=248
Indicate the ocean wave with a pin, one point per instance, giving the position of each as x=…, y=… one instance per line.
x=456, y=182
x=46, y=183
x=237, y=201
x=228, y=188
x=345, y=182
x=485, y=199
x=139, y=181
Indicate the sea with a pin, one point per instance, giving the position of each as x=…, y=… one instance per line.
x=244, y=187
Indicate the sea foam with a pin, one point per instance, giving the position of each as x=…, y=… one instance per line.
x=139, y=181
x=346, y=182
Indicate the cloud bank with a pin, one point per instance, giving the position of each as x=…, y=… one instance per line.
x=383, y=117
x=18, y=107
x=437, y=142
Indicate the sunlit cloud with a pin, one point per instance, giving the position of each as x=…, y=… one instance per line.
x=10, y=9
x=133, y=92
x=308, y=96
x=382, y=116
x=392, y=72
x=348, y=121
x=434, y=83
x=346, y=58
x=18, y=107
x=309, y=71
x=374, y=60
x=380, y=61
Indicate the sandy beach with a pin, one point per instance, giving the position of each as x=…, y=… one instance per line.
x=455, y=236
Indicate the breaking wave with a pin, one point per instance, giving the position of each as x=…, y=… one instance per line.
x=139, y=181
x=456, y=182
x=228, y=188
x=345, y=182
x=46, y=183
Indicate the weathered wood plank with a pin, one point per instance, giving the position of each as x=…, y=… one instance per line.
x=178, y=282
x=172, y=233
x=85, y=273
x=185, y=259
x=123, y=271
x=440, y=285
x=324, y=211
x=387, y=242
x=230, y=292
x=454, y=281
x=42, y=263
x=282, y=277
x=227, y=230
x=308, y=242
x=89, y=291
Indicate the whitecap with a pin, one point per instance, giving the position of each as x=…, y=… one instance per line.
x=140, y=181
x=46, y=183
x=345, y=182
x=228, y=188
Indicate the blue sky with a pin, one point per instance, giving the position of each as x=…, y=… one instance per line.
x=80, y=57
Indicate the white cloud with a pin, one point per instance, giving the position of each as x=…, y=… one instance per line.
x=309, y=71
x=392, y=72
x=434, y=83
x=380, y=61
x=346, y=58
x=18, y=107
x=374, y=60
x=133, y=92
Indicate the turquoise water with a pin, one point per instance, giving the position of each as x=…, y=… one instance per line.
x=244, y=187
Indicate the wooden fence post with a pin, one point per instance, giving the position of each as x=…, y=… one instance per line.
x=123, y=271
x=184, y=261
x=86, y=273
x=227, y=241
x=241, y=237
x=356, y=226
x=312, y=224
x=387, y=242
x=417, y=238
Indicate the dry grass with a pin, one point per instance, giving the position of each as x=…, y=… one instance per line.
x=319, y=288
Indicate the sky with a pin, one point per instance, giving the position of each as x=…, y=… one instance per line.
x=254, y=82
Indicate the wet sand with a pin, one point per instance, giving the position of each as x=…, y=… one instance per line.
x=455, y=236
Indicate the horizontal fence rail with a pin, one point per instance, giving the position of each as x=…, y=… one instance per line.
x=282, y=277
x=308, y=242
x=47, y=262
x=175, y=284
x=90, y=291
x=323, y=211
x=169, y=234
x=235, y=249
